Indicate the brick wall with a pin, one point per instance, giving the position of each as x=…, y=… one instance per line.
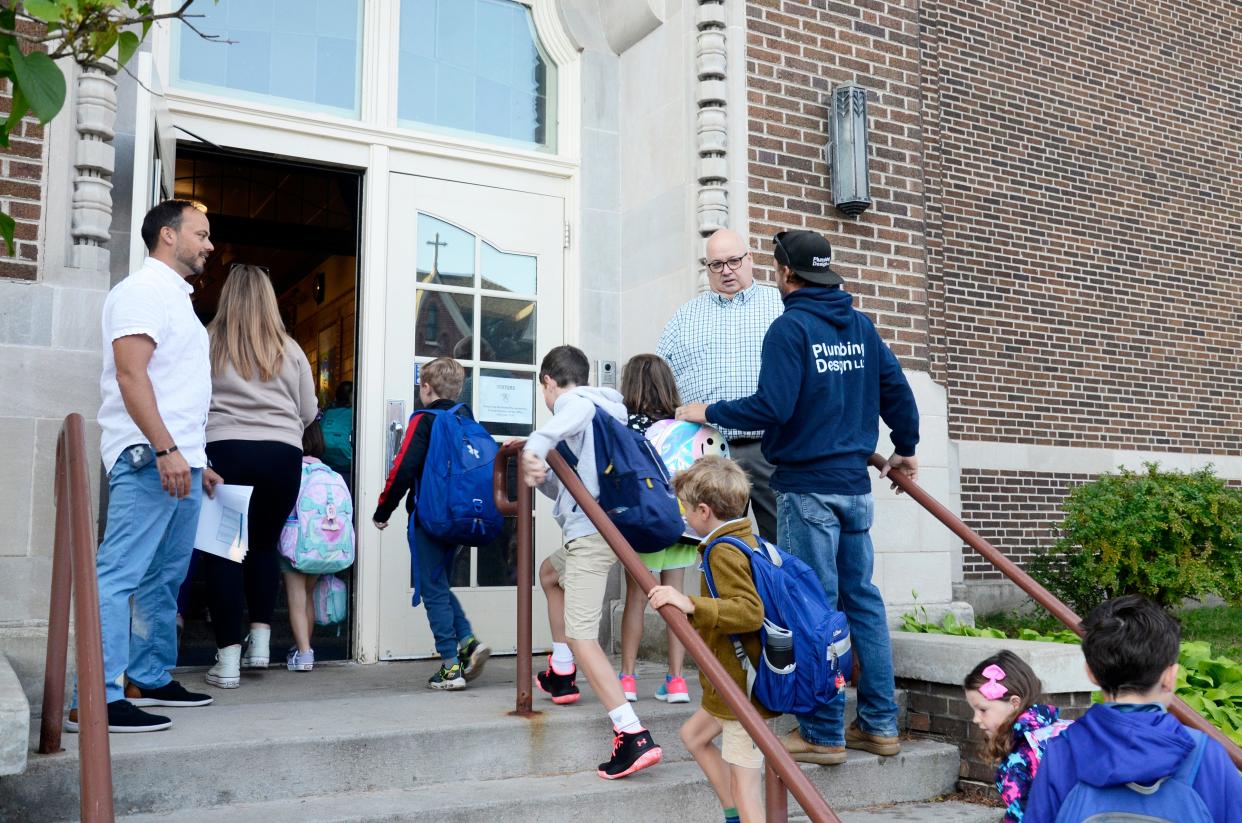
x=1085, y=207
x=21, y=190
x=796, y=53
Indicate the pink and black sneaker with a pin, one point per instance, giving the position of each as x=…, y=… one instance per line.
x=562, y=687
x=631, y=752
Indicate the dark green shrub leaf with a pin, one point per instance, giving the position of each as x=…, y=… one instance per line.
x=41, y=82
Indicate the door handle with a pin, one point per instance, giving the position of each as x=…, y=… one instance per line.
x=394, y=433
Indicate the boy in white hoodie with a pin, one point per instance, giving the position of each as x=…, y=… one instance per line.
x=575, y=576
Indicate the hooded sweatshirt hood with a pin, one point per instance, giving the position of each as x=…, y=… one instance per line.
x=1113, y=747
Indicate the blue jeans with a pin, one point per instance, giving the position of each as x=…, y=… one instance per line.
x=144, y=556
x=830, y=532
x=431, y=562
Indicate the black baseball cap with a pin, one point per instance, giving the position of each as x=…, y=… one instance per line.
x=808, y=254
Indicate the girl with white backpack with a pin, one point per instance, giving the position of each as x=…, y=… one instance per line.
x=317, y=541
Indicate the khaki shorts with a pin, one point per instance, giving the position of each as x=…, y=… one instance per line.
x=737, y=748
x=582, y=568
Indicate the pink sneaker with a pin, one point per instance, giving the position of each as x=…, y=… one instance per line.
x=673, y=690
x=629, y=685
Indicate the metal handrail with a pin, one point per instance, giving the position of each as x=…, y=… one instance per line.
x=73, y=557
x=1178, y=707
x=782, y=771
x=521, y=508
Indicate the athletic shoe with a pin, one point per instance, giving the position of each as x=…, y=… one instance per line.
x=296, y=661
x=448, y=679
x=256, y=650
x=123, y=717
x=226, y=674
x=883, y=745
x=629, y=686
x=631, y=752
x=472, y=657
x=673, y=690
x=171, y=694
x=562, y=687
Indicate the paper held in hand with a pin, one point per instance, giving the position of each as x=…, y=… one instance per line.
x=223, y=522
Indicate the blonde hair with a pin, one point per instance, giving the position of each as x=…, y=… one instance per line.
x=445, y=376
x=716, y=481
x=247, y=331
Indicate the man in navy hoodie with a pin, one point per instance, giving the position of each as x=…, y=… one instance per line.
x=1131, y=646
x=825, y=380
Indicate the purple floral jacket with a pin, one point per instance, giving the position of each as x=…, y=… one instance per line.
x=1031, y=732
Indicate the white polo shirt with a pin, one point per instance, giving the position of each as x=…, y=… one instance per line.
x=155, y=301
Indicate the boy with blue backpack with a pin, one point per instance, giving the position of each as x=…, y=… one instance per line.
x=445, y=513
x=1128, y=758
x=575, y=577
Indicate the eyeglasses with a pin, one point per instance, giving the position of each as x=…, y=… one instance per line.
x=734, y=263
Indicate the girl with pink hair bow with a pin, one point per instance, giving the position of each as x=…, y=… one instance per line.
x=1002, y=690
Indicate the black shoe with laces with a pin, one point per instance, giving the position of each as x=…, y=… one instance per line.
x=631, y=752
x=170, y=694
x=562, y=687
x=448, y=679
x=472, y=657
x=124, y=716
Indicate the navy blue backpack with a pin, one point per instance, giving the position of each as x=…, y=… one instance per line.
x=455, y=502
x=634, y=488
x=1171, y=799
x=805, y=652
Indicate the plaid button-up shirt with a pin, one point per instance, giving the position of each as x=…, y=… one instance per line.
x=713, y=345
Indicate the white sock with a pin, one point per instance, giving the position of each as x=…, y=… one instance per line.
x=562, y=658
x=624, y=718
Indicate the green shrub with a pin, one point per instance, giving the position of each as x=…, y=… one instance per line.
x=1166, y=535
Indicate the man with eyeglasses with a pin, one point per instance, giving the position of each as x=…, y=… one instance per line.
x=827, y=380
x=713, y=344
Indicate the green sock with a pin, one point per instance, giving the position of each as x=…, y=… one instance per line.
x=731, y=815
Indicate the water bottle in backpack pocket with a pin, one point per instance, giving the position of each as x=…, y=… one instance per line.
x=456, y=502
x=1171, y=799
x=318, y=538
x=805, y=651
x=331, y=601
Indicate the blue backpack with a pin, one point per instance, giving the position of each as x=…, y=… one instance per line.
x=804, y=643
x=634, y=487
x=1171, y=799
x=455, y=502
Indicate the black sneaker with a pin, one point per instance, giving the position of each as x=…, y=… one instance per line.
x=448, y=679
x=631, y=752
x=124, y=716
x=562, y=687
x=472, y=659
x=170, y=694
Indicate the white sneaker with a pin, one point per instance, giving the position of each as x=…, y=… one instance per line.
x=226, y=674
x=297, y=661
x=257, y=647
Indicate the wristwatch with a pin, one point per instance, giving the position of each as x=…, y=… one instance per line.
x=167, y=451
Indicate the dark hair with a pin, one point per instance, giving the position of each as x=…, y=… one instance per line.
x=1128, y=644
x=648, y=387
x=566, y=365
x=312, y=440
x=1019, y=680
x=169, y=213
x=344, y=393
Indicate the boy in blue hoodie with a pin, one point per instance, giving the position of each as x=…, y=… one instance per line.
x=826, y=379
x=1131, y=646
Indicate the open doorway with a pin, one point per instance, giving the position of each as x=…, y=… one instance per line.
x=300, y=222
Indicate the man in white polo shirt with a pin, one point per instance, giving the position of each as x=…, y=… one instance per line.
x=156, y=388
x=713, y=343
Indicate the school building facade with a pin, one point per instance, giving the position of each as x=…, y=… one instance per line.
x=1050, y=247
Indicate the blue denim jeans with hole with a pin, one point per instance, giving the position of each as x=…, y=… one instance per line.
x=141, y=564
x=831, y=534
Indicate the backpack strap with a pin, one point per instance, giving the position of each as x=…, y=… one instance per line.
x=738, y=649
x=1188, y=769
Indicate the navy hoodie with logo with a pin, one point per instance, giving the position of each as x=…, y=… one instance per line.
x=824, y=380
x=1112, y=745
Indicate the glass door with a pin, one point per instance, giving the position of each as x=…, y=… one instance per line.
x=474, y=273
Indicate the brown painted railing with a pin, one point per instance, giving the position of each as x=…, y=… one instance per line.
x=1178, y=708
x=73, y=558
x=782, y=771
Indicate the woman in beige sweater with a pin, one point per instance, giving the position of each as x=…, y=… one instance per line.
x=262, y=398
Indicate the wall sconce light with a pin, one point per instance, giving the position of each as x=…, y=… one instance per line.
x=319, y=288
x=846, y=152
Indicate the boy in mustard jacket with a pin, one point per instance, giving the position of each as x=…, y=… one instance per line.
x=714, y=492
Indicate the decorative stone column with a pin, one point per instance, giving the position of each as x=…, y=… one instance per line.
x=94, y=164
x=711, y=66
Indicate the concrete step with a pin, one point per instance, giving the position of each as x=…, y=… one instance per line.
x=670, y=791
x=14, y=721
x=354, y=729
